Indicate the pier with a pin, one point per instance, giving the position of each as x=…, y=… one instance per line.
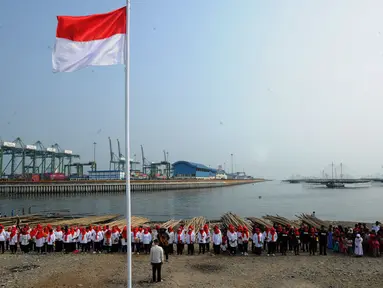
x=24, y=188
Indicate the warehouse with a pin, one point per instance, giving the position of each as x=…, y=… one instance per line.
x=107, y=175
x=185, y=169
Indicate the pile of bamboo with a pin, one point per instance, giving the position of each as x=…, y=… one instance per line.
x=171, y=223
x=235, y=220
x=312, y=221
x=260, y=221
x=279, y=220
x=136, y=222
x=111, y=220
x=86, y=221
x=196, y=222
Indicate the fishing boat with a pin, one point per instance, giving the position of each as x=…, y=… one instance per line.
x=334, y=185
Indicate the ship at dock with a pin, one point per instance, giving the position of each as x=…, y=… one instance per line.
x=330, y=182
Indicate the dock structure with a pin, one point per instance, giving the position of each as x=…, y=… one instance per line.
x=110, y=186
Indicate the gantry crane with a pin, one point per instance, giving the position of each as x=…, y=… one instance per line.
x=24, y=160
x=114, y=159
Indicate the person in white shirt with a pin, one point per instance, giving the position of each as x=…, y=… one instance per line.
x=58, y=239
x=217, y=240
x=146, y=240
x=108, y=240
x=89, y=239
x=68, y=241
x=245, y=240
x=3, y=238
x=272, y=241
x=232, y=240
x=50, y=239
x=115, y=239
x=171, y=240
x=156, y=259
x=208, y=237
x=83, y=239
x=40, y=241
x=265, y=237
x=190, y=240
x=180, y=240
x=124, y=239
x=24, y=240
x=201, y=236
x=376, y=227
x=258, y=241
x=136, y=240
x=13, y=240
x=239, y=239
x=98, y=239
x=155, y=232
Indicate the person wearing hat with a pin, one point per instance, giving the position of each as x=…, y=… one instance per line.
x=217, y=240
x=358, y=246
x=232, y=240
x=190, y=240
x=201, y=236
x=3, y=238
x=258, y=241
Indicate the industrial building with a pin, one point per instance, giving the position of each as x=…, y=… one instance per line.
x=107, y=175
x=186, y=169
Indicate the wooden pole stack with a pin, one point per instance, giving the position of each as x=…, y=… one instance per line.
x=136, y=222
x=311, y=221
x=196, y=222
x=279, y=220
x=171, y=223
x=260, y=221
x=235, y=220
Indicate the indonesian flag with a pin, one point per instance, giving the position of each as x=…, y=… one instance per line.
x=94, y=40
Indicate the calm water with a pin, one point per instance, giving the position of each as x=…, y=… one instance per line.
x=361, y=204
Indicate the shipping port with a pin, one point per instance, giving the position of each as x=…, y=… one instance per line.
x=35, y=168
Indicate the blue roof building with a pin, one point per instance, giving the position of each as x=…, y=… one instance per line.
x=186, y=169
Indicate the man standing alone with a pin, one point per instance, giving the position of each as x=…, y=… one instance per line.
x=156, y=259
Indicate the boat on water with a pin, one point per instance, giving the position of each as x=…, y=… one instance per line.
x=334, y=185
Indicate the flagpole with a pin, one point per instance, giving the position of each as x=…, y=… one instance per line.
x=127, y=147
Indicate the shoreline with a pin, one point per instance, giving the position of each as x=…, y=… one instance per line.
x=105, y=186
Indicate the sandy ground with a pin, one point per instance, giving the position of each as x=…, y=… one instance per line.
x=88, y=270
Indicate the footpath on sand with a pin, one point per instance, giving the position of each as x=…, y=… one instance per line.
x=105, y=270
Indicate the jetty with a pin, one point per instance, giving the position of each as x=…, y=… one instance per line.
x=330, y=183
x=97, y=186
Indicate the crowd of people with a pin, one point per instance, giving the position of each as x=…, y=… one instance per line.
x=358, y=240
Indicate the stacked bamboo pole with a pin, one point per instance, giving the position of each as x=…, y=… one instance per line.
x=260, y=221
x=136, y=222
x=311, y=221
x=196, y=222
x=279, y=220
x=171, y=223
x=235, y=220
x=92, y=220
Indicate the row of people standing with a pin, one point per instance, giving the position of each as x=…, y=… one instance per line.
x=72, y=239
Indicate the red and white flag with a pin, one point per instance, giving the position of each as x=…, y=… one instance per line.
x=94, y=40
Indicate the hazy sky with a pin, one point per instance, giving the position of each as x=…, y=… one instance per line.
x=296, y=85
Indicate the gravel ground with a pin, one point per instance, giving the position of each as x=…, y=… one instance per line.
x=105, y=270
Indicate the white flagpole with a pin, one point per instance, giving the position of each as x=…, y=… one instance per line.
x=127, y=147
